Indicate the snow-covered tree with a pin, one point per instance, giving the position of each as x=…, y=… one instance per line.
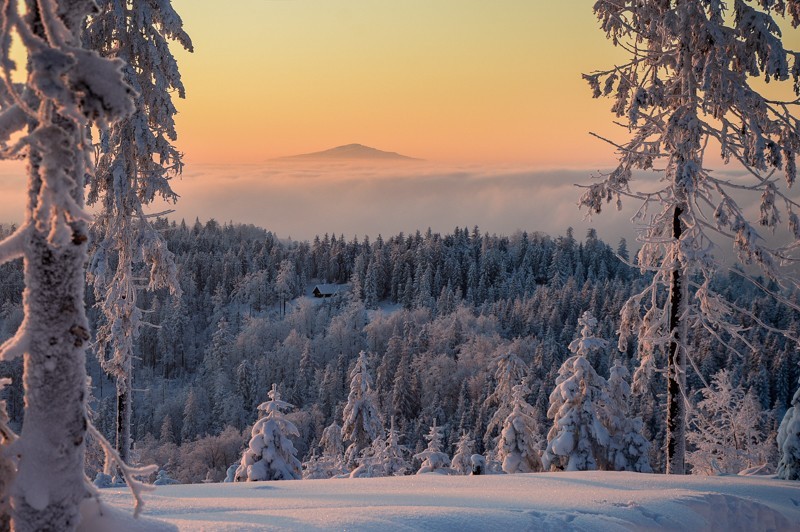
x=331, y=462
x=163, y=479
x=285, y=283
x=384, y=458
x=462, y=459
x=316, y=468
x=394, y=455
x=687, y=88
x=789, y=441
x=518, y=446
x=270, y=454
x=433, y=459
x=628, y=450
x=587, y=344
x=136, y=161
x=577, y=441
x=331, y=441
x=67, y=87
x=726, y=429
x=361, y=423
x=510, y=370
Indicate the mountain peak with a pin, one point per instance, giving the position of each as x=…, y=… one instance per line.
x=351, y=151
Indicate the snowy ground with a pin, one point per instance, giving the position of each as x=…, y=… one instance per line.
x=545, y=501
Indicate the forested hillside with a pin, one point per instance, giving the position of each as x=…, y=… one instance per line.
x=434, y=313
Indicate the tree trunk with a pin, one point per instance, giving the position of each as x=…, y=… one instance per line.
x=50, y=481
x=124, y=397
x=676, y=364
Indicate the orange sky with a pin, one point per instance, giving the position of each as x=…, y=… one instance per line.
x=490, y=93
x=452, y=80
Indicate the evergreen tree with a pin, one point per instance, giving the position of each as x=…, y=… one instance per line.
x=433, y=459
x=789, y=441
x=577, y=441
x=462, y=459
x=270, y=454
x=361, y=423
x=510, y=371
x=628, y=449
x=518, y=446
x=687, y=83
x=136, y=161
x=66, y=87
x=394, y=455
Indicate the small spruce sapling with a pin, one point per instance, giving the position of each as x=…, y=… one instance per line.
x=433, y=459
x=462, y=459
x=270, y=454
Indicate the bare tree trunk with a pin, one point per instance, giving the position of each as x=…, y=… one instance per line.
x=676, y=364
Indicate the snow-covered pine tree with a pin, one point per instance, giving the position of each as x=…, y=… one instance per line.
x=518, y=446
x=462, y=459
x=628, y=450
x=394, y=455
x=789, y=441
x=331, y=462
x=67, y=87
x=270, y=454
x=433, y=459
x=587, y=344
x=726, y=429
x=577, y=441
x=285, y=283
x=361, y=423
x=510, y=371
x=687, y=84
x=370, y=464
x=136, y=161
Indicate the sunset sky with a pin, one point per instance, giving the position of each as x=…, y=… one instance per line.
x=489, y=94
x=444, y=80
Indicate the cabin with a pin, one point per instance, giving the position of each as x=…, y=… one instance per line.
x=327, y=290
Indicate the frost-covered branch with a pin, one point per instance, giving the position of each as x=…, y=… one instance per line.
x=129, y=473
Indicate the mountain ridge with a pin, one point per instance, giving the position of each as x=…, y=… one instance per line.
x=350, y=151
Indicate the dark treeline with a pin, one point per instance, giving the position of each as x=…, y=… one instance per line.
x=433, y=312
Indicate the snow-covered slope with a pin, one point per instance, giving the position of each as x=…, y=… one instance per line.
x=544, y=501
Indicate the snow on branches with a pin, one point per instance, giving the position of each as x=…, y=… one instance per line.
x=684, y=90
x=270, y=454
x=362, y=423
x=68, y=88
x=789, y=441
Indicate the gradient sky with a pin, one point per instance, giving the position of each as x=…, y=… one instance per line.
x=444, y=80
x=488, y=93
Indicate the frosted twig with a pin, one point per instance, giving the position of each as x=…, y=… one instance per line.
x=128, y=472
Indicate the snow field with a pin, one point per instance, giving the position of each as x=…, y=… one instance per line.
x=600, y=501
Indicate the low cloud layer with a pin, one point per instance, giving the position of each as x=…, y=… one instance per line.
x=301, y=200
x=304, y=200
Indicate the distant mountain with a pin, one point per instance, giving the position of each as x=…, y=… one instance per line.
x=350, y=151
